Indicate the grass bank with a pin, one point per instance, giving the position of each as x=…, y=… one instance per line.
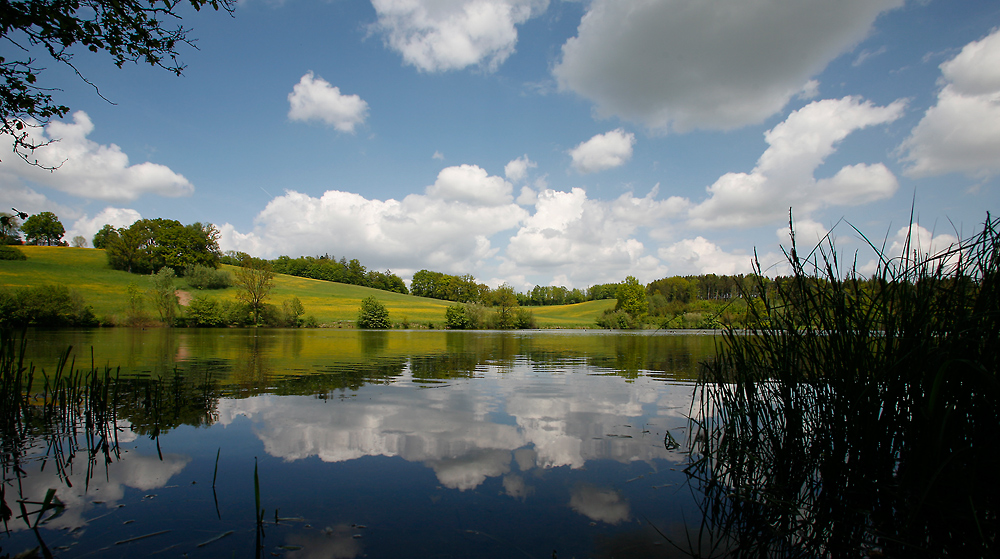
x=85, y=270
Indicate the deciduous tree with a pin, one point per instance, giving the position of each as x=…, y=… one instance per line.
x=43, y=229
x=150, y=244
x=631, y=297
x=105, y=236
x=504, y=301
x=255, y=280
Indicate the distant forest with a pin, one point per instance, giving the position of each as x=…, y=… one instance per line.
x=328, y=268
x=664, y=295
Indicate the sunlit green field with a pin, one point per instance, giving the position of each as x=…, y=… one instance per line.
x=86, y=271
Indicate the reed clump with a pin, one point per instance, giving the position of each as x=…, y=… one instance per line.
x=861, y=416
x=66, y=412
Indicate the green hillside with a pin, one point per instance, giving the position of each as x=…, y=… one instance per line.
x=86, y=271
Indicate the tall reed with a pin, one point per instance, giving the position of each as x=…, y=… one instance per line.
x=72, y=410
x=861, y=417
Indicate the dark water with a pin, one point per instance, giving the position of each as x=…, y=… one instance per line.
x=370, y=444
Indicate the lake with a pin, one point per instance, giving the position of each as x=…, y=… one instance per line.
x=364, y=444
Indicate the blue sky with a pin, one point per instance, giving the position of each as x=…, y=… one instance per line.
x=542, y=141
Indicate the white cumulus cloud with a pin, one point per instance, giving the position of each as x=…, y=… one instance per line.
x=784, y=175
x=721, y=64
x=90, y=170
x=961, y=132
x=808, y=234
x=589, y=241
x=115, y=217
x=315, y=99
x=700, y=256
x=446, y=229
x=441, y=35
x=517, y=169
x=470, y=184
x=917, y=241
x=603, y=151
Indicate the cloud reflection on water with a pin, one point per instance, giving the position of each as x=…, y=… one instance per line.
x=472, y=430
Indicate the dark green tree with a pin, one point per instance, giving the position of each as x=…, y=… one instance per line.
x=150, y=244
x=43, y=229
x=674, y=288
x=126, y=30
x=126, y=250
x=105, y=236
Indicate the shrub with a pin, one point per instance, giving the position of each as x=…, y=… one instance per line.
x=163, y=295
x=291, y=313
x=203, y=311
x=205, y=277
x=524, y=319
x=237, y=313
x=373, y=314
x=44, y=305
x=617, y=320
x=8, y=252
x=456, y=317
x=135, y=307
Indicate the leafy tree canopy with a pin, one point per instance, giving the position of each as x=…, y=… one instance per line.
x=102, y=237
x=126, y=30
x=43, y=229
x=631, y=297
x=437, y=285
x=150, y=244
x=504, y=301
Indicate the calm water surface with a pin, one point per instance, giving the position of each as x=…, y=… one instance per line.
x=371, y=444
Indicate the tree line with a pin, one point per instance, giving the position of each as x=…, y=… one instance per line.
x=465, y=289
x=328, y=268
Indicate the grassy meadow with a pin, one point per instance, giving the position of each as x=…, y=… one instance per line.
x=86, y=271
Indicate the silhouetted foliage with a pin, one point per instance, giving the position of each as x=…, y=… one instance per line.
x=126, y=30
x=10, y=227
x=860, y=419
